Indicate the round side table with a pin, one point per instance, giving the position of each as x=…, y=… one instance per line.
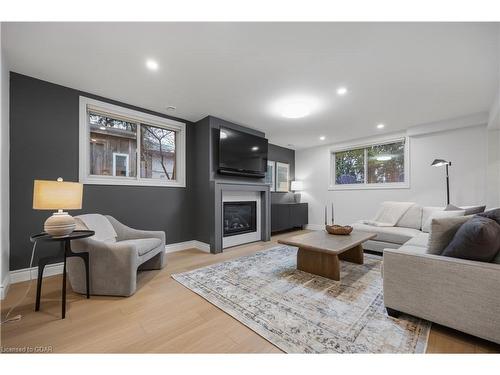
x=66, y=252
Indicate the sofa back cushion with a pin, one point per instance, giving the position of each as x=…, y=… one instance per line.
x=412, y=218
x=442, y=232
x=477, y=239
x=103, y=229
x=469, y=210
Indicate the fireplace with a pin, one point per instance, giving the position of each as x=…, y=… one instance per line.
x=239, y=217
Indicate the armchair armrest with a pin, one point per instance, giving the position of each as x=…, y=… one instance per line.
x=126, y=233
x=457, y=293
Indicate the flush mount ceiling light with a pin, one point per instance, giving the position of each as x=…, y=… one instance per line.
x=342, y=91
x=322, y=138
x=152, y=64
x=295, y=110
x=380, y=126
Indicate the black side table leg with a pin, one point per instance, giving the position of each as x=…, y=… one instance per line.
x=41, y=267
x=64, y=285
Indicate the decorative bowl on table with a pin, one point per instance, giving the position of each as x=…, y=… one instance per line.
x=338, y=229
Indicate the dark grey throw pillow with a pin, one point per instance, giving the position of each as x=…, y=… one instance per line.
x=477, y=239
x=492, y=214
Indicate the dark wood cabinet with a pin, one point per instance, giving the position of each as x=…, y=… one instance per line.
x=288, y=215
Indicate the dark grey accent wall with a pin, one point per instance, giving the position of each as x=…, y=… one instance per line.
x=284, y=155
x=44, y=145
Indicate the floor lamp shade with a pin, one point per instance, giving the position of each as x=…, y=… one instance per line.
x=58, y=195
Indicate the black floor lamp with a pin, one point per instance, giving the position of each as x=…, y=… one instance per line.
x=440, y=163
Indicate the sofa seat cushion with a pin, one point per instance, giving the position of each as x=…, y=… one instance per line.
x=412, y=249
x=397, y=235
x=421, y=240
x=143, y=245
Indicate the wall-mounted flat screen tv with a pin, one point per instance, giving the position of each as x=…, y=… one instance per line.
x=242, y=154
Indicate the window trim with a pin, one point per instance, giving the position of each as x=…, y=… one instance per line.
x=133, y=116
x=374, y=186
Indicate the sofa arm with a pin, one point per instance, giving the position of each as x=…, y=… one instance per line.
x=126, y=233
x=457, y=293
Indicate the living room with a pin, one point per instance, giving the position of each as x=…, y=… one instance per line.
x=260, y=187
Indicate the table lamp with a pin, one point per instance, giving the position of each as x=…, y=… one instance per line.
x=58, y=195
x=296, y=186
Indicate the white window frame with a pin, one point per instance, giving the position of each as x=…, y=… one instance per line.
x=366, y=186
x=133, y=116
x=127, y=172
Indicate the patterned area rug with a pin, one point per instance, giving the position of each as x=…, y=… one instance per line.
x=303, y=313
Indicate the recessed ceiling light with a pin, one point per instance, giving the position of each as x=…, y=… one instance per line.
x=380, y=126
x=295, y=110
x=341, y=91
x=322, y=138
x=151, y=64
x=255, y=148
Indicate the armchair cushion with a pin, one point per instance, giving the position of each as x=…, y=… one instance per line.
x=103, y=229
x=142, y=245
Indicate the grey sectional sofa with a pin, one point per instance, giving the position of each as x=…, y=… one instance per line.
x=457, y=293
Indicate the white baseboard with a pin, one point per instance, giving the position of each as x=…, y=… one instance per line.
x=4, y=288
x=179, y=246
x=18, y=276
x=315, y=226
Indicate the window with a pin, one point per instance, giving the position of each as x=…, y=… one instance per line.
x=270, y=177
x=282, y=177
x=380, y=165
x=119, y=146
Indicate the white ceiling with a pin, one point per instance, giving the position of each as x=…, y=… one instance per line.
x=401, y=74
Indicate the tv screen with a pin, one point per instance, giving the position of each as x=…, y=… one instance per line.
x=242, y=152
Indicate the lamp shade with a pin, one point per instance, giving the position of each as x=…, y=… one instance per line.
x=296, y=186
x=57, y=195
x=440, y=163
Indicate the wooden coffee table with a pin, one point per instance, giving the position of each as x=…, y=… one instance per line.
x=320, y=253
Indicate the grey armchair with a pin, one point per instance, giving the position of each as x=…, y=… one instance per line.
x=116, y=253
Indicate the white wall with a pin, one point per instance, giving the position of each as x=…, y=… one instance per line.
x=4, y=175
x=466, y=148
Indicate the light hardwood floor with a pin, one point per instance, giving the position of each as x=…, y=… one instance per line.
x=162, y=317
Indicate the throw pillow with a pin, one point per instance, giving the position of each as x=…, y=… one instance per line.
x=477, y=239
x=492, y=214
x=440, y=214
x=442, y=232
